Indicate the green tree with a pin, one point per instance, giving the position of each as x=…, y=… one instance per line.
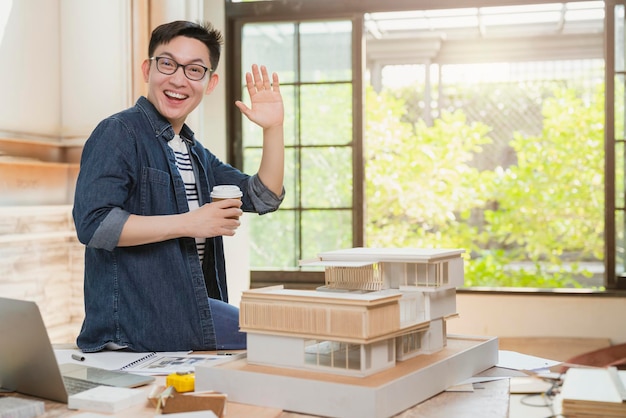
x=550, y=204
x=420, y=187
x=423, y=191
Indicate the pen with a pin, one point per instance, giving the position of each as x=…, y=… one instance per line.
x=78, y=357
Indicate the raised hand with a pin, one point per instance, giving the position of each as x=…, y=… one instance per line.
x=266, y=107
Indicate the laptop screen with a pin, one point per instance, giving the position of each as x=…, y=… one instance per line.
x=27, y=361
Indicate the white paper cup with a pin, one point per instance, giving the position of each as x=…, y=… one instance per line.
x=225, y=191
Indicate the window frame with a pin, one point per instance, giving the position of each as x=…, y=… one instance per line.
x=234, y=30
x=238, y=14
x=612, y=279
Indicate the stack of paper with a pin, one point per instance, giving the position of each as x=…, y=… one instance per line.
x=11, y=407
x=596, y=392
x=107, y=399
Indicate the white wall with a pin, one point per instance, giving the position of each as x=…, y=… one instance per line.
x=30, y=51
x=95, y=63
x=528, y=315
x=68, y=67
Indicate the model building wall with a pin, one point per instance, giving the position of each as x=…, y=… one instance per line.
x=353, y=278
x=412, y=308
x=318, y=315
x=434, y=274
x=339, y=357
x=440, y=304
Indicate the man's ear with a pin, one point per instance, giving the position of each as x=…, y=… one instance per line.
x=145, y=69
x=213, y=80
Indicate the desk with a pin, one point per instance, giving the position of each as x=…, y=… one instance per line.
x=489, y=400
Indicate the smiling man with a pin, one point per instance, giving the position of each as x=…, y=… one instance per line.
x=154, y=259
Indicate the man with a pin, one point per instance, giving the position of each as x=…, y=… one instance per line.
x=154, y=260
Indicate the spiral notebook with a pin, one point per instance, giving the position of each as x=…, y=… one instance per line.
x=166, y=363
x=151, y=363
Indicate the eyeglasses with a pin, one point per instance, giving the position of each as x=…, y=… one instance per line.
x=168, y=66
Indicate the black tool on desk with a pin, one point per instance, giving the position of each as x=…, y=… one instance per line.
x=28, y=364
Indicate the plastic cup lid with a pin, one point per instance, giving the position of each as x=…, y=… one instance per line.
x=226, y=191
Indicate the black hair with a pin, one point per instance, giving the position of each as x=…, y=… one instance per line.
x=204, y=32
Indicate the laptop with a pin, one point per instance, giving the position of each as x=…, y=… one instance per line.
x=29, y=366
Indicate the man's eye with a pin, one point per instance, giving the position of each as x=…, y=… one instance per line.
x=167, y=63
x=195, y=69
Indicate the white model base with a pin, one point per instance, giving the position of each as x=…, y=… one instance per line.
x=380, y=395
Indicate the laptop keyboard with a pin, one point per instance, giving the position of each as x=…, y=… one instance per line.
x=74, y=386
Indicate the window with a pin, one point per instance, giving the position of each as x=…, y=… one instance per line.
x=615, y=138
x=314, y=59
x=333, y=354
x=479, y=91
x=411, y=342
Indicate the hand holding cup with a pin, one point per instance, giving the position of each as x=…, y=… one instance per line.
x=225, y=192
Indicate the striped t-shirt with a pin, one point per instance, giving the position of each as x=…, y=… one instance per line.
x=183, y=162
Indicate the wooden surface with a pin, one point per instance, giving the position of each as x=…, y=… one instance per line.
x=560, y=349
x=488, y=400
x=233, y=410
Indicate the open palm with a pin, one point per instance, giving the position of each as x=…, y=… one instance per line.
x=266, y=107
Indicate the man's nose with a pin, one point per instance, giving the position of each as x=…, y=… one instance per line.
x=179, y=74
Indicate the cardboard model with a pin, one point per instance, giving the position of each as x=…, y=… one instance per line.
x=380, y=308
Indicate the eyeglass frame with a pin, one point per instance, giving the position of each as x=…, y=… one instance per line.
x=183, y=66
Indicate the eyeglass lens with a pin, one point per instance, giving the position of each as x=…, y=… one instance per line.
x=168, y=66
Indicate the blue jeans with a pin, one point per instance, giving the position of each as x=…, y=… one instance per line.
x=226, y=326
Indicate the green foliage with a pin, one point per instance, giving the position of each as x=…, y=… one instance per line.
x=419, y=184
x=550, y=203
x=525, y=225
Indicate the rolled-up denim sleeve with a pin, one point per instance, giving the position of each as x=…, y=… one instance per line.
x=108, y=233
x=263, y=199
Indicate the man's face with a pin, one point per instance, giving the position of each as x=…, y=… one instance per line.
x=174, y=95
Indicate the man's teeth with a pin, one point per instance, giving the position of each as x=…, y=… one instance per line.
x=175, y=95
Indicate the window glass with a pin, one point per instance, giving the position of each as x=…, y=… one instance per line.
x=326, y=114
x=332, y=354
x=326, y=51
x=313, y=60
x=620, y=191
x=326, y=177
x=272, y=44
x=504, y=160
x=275, y=242
x=619, y=38
x=620, y=88
x=620, y=250
x=324, y=229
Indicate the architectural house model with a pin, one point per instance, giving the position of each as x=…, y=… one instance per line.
x=371, y=342
x=378, y=306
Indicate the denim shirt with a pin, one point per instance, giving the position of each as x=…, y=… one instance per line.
x=148, y=297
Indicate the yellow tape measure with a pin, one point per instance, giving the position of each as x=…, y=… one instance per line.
x=182, y=381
